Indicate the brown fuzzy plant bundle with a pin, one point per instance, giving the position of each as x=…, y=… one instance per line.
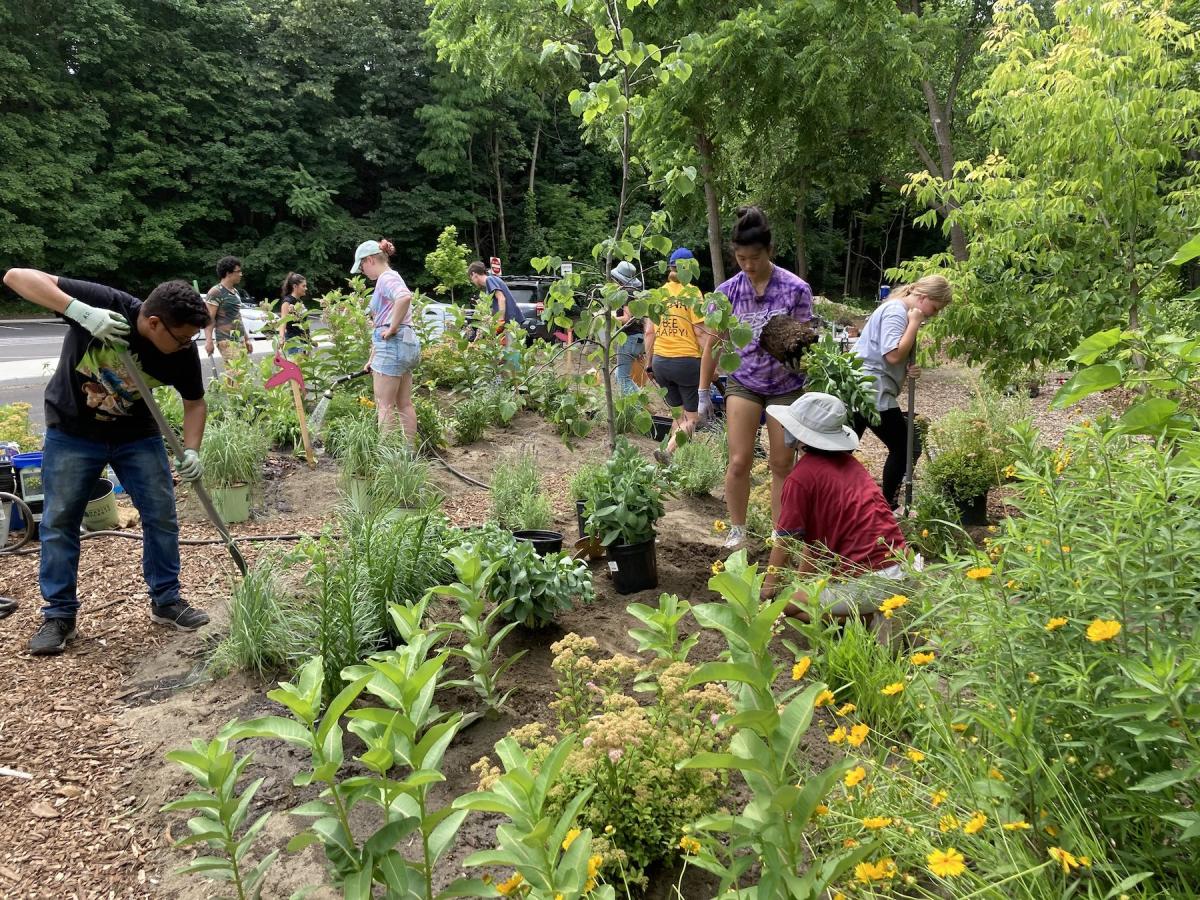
x=788, y=340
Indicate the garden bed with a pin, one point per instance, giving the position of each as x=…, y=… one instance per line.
x=91, y=727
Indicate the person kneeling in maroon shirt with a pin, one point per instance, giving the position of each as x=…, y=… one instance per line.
x=835, y=512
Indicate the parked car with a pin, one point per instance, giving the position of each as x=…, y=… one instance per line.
x=254, y=320
x=529, y=292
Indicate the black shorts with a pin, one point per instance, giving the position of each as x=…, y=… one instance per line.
x=680, y=375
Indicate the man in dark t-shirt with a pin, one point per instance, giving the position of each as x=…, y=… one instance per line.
x=502, y=303
x=95, y=417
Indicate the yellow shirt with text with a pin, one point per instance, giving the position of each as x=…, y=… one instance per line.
x=674, y=336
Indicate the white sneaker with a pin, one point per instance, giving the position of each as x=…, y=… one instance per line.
x=737, y=537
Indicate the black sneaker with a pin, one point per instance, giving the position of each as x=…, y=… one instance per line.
x=179, y=614
x=51, y=639
x=8, y=606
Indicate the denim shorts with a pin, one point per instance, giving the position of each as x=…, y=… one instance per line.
x=397, y=355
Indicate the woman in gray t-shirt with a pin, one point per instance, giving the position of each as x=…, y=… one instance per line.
x=886, y=346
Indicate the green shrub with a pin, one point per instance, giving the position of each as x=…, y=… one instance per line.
x=260, y=628
x=431, y=427
x=518, y=502
x=628, y=499
x=471, y=419
x=586, y=480
x=972, y=447
x=232, y=453
x=698, y=465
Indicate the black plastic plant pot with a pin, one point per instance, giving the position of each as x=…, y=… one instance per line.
x=972, y=511
x=581, y=517
x=634, y=567
x=544, y=542
x=660, y=428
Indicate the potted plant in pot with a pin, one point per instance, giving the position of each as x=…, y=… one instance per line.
x=233, y=455
x=621, y=515
x=969, y=450
x=399, y=483
x=356, y=443
x=583, y=486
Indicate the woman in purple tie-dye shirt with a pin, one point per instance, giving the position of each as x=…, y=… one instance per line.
x=758, y=293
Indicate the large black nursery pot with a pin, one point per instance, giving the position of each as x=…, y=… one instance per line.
x=544, y=542
x=634, y=567
x=661, y=427
x=581, y=517
x=973, y=511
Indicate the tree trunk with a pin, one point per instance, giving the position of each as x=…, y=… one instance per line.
x=801, y=234
x=945, y=147
x=474, y=214
x=849, y=243
x=858, y=261
x=537, y=136
x=499, y=192
x=712, y=208
x=900, y=239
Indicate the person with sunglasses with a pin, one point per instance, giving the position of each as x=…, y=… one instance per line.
x=886, y=349
x=96, y=417
x=224, y=300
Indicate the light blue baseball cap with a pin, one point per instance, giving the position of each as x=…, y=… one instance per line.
x=365, y=249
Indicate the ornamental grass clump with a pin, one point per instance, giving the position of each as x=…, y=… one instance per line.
x=626, y=752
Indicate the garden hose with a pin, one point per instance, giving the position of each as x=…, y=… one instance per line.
x=26, y=514
x=463, y=475
x=137, y=536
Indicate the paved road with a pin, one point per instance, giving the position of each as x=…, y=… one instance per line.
x=35, y=340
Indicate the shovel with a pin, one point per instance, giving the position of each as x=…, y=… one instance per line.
x=176, y=447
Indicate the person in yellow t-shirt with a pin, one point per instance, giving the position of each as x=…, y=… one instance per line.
x=674, y=346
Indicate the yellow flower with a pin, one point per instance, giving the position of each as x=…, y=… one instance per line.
x=854, y=776
x=960, y=727
x=874, y=822
x=839, y=896
x=826, y=696
x=915, y=755
x=1056, y=623
x=1033, y=677
x=1010, y=471
x=1010, y=584
x=948, y=822
x=948, y=863
x=1067, y=860
x=801, y=667
x=858, y=734
x=689, y=845
x=845, y=709
x=718, y=567
x=514, y=882
x=1103, y=630
x=772, y=570
x=892, y=689
x=820, y=809
x=1066, y=548
x=924, y=532
x=880, y=871
x=1050, y=830
x=608, y=829
x=570, y=838
x=837, y=735
x=889, y=606
x=938, y=798
x=1019, y=825
x=995, y=774
x=720, y=525
x=979, y=573
x=975, y=823
x=594, y=863
x=921, y=659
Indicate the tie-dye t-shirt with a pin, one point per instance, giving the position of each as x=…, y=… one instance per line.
x=787, y=294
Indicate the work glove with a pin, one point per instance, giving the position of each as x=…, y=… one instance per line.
x=103, y=324
x=705, y=409
x=189, y=466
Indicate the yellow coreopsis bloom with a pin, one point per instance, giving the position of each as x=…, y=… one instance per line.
x=975, y=823
x=826, y=696
x=513, y=883
x=1067, y=860
x=948, y=863
x=719, y=525
x=948, y=822
x=892, y=689
x=1103, y=630
x=837, y=735
x=1056, y=623
x=801, y=667
x=858, y=734
x=689, y=845
x=570, y=838
x=1019, y=825
x=874, y=822
x=889, y=606
x=979, y=573
x=854, y=776
x=845, y=709
x=938, y=798
x=867, y=872
x=915, y=755
x=718, y=567
x=922, y=659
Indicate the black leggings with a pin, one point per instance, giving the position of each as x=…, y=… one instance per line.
x=893, y=431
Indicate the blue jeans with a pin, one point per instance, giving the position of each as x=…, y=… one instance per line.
x=70, y=467
x=633, y=347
